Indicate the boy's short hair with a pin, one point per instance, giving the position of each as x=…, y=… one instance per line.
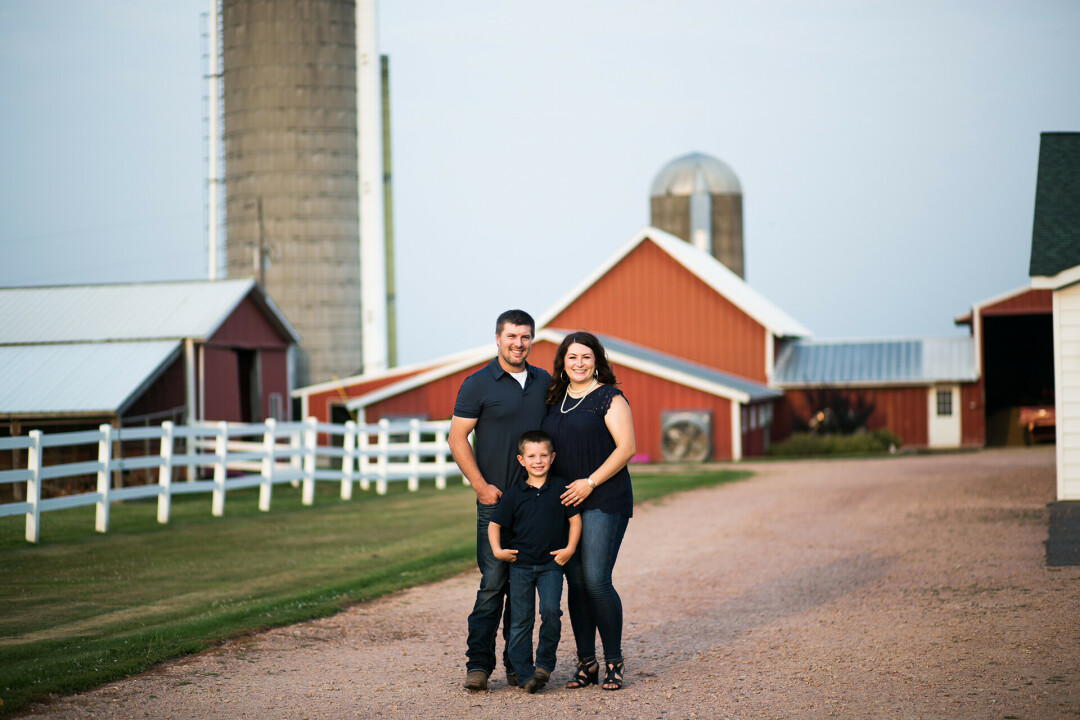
x=535, y=436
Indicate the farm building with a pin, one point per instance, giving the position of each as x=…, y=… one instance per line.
x=696, y=349
x=82, y=355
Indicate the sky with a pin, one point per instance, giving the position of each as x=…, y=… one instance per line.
x=887, y=151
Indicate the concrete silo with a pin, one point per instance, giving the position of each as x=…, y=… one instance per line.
x=699, y=199
x=292, y=196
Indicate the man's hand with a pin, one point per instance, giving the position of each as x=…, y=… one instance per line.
x=505, y=555
x=563, y=556
x=488, y=494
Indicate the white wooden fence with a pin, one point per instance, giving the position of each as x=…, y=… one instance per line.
x=242, y=456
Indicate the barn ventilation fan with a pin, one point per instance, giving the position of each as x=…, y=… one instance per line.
x=686, y=436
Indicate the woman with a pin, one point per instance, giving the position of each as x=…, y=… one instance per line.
x=594, y=439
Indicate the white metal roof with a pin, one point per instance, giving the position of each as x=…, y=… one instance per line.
x=912, y=361
x=138, y=311
x=81, y=378
x=710, y=270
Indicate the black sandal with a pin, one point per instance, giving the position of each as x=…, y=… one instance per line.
x=587, y=673
x=614, y=675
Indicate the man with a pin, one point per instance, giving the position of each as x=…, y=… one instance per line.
x=500, y=401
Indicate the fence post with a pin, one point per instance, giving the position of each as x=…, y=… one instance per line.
x=33, y=487
x=266, y=487
x=221, y=452
x=365, y=462
x=384, y=456
x=311, y=439
x=348, y=461
x=472, y=443
x=164, y=501
x=296, y=442
x=103, y=476
x=414, y=455
x=441, y=448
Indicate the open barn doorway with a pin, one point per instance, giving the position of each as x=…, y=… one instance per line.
x=1018, y=370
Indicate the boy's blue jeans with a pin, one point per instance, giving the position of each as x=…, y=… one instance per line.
x=527, y=582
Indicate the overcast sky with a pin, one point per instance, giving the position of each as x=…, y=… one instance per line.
x=887, y=150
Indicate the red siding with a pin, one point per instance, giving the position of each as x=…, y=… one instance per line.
x=248, y=327
x=222, y=392
x=1031, y=302
x=274, y=378
x=973, y=414
x=319, y=403
x=904, y=410
x=649, y=299
x=166, y=393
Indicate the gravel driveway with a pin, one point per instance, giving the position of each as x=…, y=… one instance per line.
x=908, y=587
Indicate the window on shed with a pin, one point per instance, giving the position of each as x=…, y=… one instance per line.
x=944, y=403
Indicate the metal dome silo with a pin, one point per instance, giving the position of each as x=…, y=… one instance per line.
x=290, y=131
x=699, y=199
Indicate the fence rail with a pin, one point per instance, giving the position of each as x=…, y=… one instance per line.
x=239, y=456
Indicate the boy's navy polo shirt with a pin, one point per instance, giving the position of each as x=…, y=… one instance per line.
x=503, y=411
x=537, y=518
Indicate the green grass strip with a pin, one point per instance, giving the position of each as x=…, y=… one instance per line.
x=81, y=609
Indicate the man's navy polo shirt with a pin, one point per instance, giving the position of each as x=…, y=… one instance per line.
x=503, y=411
x=537, y=518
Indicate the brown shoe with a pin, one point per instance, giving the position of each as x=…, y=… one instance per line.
x=476, y=680
x=537, y=681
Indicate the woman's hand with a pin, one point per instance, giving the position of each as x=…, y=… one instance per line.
x=576, y=492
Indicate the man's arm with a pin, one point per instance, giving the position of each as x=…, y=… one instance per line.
x=494, y=530
x=458, y=438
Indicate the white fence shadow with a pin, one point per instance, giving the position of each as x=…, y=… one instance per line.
x=241, y=456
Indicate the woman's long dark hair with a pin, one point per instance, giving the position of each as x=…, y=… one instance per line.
x=559, y=379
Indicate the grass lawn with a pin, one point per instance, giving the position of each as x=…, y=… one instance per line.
x=82, y=608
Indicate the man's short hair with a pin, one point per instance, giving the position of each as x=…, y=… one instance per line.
x=534, y=436
x=515, y=317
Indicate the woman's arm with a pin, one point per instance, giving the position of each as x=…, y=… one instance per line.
x=620, y=424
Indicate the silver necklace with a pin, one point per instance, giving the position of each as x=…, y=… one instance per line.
x=562, y=405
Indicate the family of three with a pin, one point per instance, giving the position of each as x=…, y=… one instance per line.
x=553, y=498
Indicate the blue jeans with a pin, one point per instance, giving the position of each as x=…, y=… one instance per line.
x=526, y=583
x=484, y=618
x=594, y=604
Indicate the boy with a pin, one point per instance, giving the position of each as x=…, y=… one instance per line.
x=545, y=535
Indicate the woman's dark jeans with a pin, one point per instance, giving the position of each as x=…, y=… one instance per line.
x=594, y=604
x=526, y=583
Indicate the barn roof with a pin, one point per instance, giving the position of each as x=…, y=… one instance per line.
x=79, y=379
x=842, y=363
x=619, y=352
x=708, y=269
x=1055, y=238
x=126, y=312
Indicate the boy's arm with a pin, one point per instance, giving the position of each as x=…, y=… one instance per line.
x=496, y=544
x=564, y=555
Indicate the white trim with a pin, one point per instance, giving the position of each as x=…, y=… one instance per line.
x=554, y=337
x=770, y=351
x=368, y=377
x=707, y=268
x=976, y=307
x=736, y=431
x=1059, y=397
x=1069, y=276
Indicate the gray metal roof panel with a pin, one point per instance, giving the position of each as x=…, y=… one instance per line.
x=756, y=391
x=864, y=362
x=98, y=313
x=77, y=378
